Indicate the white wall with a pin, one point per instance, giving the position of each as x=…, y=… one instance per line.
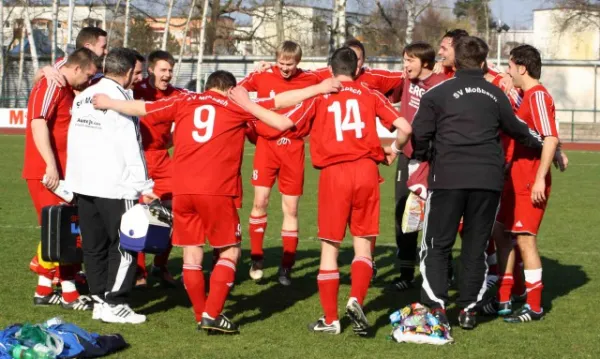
x=581, y=41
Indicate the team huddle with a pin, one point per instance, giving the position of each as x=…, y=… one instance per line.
x=336, y=108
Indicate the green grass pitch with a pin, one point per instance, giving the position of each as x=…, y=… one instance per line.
x=273, y=319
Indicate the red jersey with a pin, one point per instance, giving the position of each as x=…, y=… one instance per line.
x=52, y=104
x=380, y=80
x=449, y=72
x=515, y=98
x=269, y=83
x=537, y=110
x=209, y=140
x=410, y=95
x=344, y=126
x=156, y=134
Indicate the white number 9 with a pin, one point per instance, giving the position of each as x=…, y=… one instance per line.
x=204, y=119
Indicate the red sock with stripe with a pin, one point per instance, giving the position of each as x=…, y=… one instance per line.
x=533, y=283
x=193, y=280
x=44, y=286
x=67, y=282
x=221, y=281
x=257, y=229
x=329, y=286
x=290, y=246
x=362, y=271
x=519, y=287
x=505, y=287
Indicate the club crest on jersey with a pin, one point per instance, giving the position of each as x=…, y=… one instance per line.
x=416, y=90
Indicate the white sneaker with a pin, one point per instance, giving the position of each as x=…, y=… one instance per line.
x=97, y=312
x=121, y=313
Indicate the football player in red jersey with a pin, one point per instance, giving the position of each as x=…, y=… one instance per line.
x=93, y=38
x=529, y=185
x=156, y=139
x=209, y=139
x=380, y=80
x=345, y=147
x=278, y=156
x=419, y=59
x=48, y=118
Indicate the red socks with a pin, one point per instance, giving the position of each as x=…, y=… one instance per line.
x=66, y=274
x=221, y=281
x=290, y=245
x=141, y=266
x=505, y=287
x=44, y=286
x=329, y=285
x=193, y=280
x=533, y=283
x=257, y=229
x=362, y=271
x=519, y=287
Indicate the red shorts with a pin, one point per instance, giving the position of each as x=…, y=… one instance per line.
x=197, y=217
x=348, y=195
x=41, y=197
x=281, y=159
x=518, y=213
x=238, y=200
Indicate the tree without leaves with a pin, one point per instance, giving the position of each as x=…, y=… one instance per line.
x=431, y=26
x=383, y=32
x=578, y=15
x=414, y=9
x=476, y=10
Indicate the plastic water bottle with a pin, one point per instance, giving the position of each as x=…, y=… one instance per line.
x=61, y=191
x=38, y=352
x=53, y=321
x=395, y=317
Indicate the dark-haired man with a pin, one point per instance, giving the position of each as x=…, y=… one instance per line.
x=419, y=59
x=156, y=138
x=461, y=119
x=527, y=191
x=48, y=118
x=107, y=171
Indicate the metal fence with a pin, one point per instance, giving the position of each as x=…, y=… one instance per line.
x=573, y=85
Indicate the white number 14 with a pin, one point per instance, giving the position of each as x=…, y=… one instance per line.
x=351, y=120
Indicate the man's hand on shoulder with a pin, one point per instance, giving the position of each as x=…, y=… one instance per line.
x=53, y=76
x=101, y=102
x=506, y=83
x=262, y=66
x=240, y=96
x=438, y=68
x=329, y=86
